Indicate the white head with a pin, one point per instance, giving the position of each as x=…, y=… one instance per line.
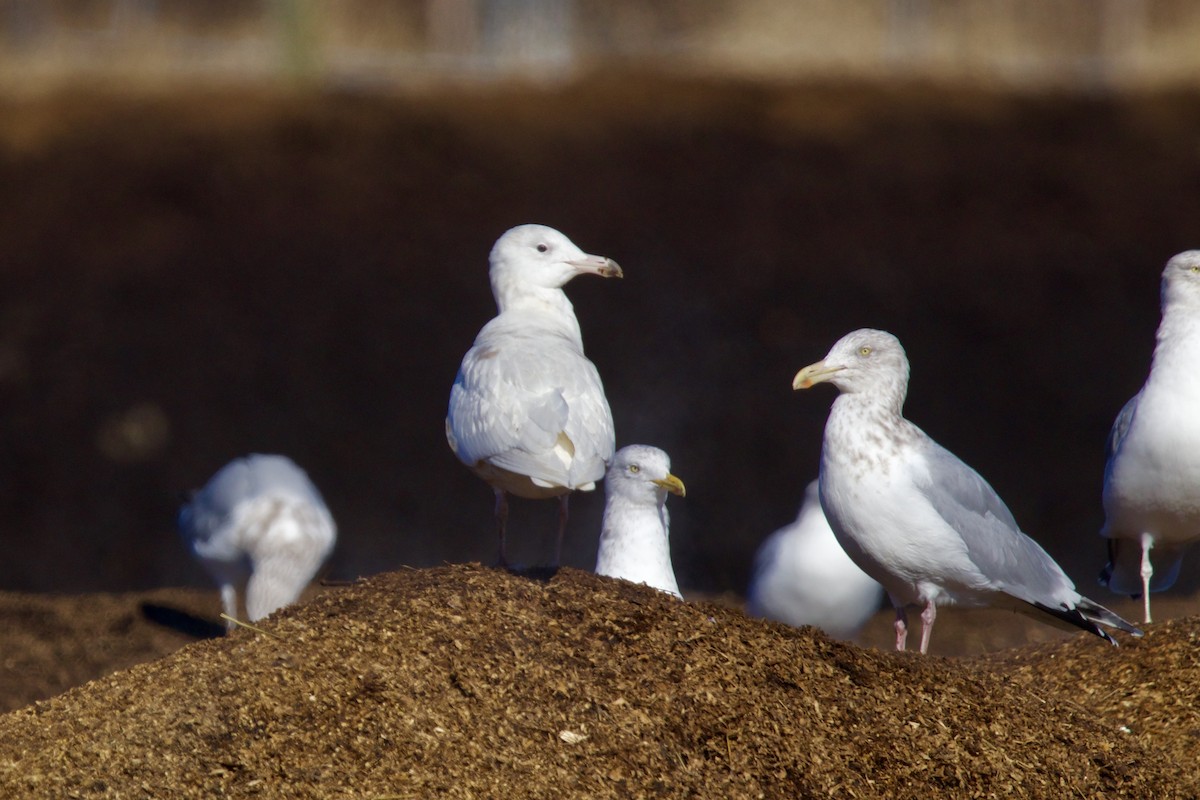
x=642, y=474
x=865, y=361
x=1181, y=282
x=529, y=258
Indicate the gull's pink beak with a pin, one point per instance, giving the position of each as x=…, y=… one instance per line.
x=598, y=265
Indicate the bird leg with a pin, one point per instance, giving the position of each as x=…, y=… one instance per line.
x=502, y=522
x=1147, y=574
x=229, y=604
x=927, y=618
x=901, y=626
x=562, y=527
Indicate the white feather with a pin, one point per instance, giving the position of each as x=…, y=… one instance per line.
x=526, y=399
x=1152, y=478
x=802, y=576
x=635, y=537
x=261, y=522
x=913, y=516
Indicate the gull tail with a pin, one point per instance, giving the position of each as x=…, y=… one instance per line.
x=1089, y=616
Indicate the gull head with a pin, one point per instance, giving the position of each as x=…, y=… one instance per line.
x=865, y=360
x=1181, y=282
x=642, y=473
x=539, y=257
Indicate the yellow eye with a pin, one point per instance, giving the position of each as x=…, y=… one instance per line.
x=635, y=469
x=864, y=351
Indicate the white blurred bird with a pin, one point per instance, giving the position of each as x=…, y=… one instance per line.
x=802, y=576
x=260, y=522
x=635, y=535
x=916, y=518
x=527, y=410
x=1152, y=478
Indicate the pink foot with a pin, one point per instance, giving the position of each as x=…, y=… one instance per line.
x=927, y=618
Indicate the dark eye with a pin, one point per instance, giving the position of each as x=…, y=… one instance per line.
x=543, y=248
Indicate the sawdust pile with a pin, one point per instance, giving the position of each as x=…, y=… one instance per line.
x=51, y=643
x=463, y=681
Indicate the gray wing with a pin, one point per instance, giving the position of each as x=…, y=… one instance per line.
x=1117, y=435
x=515, y=399
x=1010, y=560
x=257, y=475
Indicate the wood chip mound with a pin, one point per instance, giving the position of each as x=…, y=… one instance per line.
x=470, y=682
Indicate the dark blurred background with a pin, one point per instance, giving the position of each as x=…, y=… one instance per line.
x=264, y=226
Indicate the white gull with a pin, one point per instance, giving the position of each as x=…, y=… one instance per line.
x=635, y=535
x=260, y=522
x=916, y=518
x=527, y=410
x=802, y=576
x=1152, y=478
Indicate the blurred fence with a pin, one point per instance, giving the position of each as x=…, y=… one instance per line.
x=1091, y=44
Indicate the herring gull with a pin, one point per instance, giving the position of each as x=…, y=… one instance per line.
x=635, y=535
x=802, y=576
x=916, y=518
x=260, y=522
x=1152, y=478
x=527, y=410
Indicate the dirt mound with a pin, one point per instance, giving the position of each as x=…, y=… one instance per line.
x=1149, y=692
x=470, y=682
x=54, y=642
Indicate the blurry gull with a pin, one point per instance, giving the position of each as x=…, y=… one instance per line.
x=915, y=517
x=802, y=576
x=1152, y=479
x=635, y=536
x=527, y=411
x=260, y=522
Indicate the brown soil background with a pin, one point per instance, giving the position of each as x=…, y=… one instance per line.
x=187, y=278
x=190, y=277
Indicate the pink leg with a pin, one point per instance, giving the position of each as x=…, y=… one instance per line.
x=502, y=522
x=901, y=625
x=1147, y=573
x=927, y=618
x=562, y=527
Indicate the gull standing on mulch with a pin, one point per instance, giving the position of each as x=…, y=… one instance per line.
x=916, y=518
x=527, y=410
x=259, y=521
x=802, y=576
x=635, y=540
x=1152, y=478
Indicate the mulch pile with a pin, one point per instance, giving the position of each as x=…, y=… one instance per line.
x=463, y=681
x=50, y=643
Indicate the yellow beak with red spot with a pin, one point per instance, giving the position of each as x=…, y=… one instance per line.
x=671, y=484
x=814, y=374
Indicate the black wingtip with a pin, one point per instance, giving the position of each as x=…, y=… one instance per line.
x=1089, y=616
x=1096, y=613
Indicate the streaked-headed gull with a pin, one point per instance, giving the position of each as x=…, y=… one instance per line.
x=1152, y=478
x=802, y=576
x=916, y=518
x=260, y=522
x=527, y=411
x=635, y=536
